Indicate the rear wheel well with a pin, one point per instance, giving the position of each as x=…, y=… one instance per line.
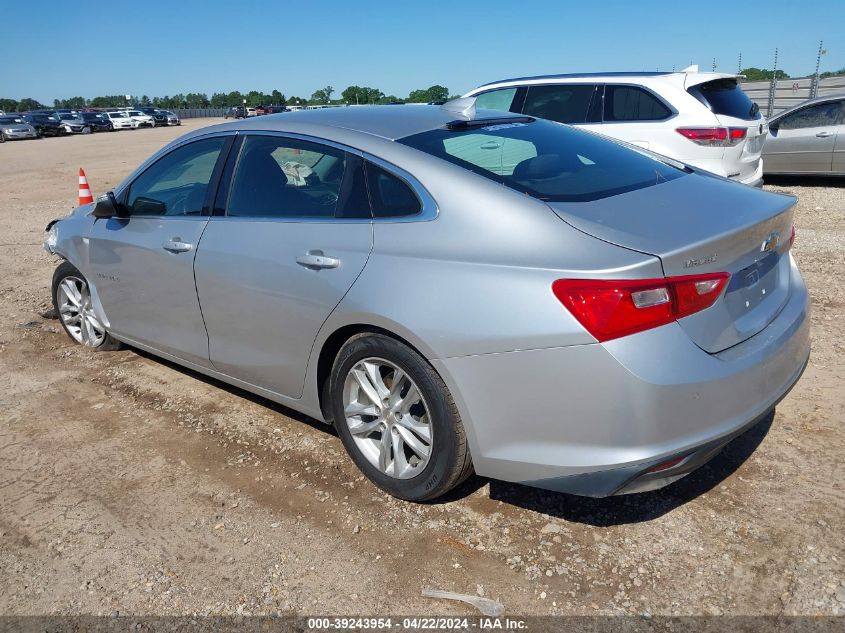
x=329, y=352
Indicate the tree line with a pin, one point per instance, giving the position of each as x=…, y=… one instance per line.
x=323, y=96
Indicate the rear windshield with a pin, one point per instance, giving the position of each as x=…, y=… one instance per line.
x=546, y=160
x=724, y=96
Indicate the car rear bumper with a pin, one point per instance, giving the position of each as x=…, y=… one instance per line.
x=592, y=419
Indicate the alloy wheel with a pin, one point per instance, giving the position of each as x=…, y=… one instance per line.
x=77, y=313
x=388, y=418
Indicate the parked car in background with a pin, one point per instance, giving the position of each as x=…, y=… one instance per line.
x=171, y=118
x=615, y=320
x=260, y=110
x=276, y=109
x=45, y=124
x=120, y=120
x=158, y=116
x=703, y=119
x=808, y=138
x=14, y=127
x=235, y=112
x=98, y=121
x=141, y=118
x=73, y=123
x=251, y=112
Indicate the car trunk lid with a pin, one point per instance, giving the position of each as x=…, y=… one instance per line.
x=701, y=224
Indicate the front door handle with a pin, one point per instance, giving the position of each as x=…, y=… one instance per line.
x=176, y=245
x=824, y=134
x=316, y=259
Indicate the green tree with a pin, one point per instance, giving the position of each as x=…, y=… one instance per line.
x=762, y=74
x=433, y=93
x=835, y=73
x=9, y=105
x=197, y=100
x=27, y=104
x=297, y=101
x=323, y=95
x=277, y=98
x=109, y=101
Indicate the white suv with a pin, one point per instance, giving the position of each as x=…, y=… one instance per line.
x=703, y=119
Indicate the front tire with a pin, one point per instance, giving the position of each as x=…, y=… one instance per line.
x=397, y=419
x=72, y=302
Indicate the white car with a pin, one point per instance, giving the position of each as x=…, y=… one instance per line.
x=121, y=121
x=251, y=112
x=702, y=119
x=141, y=119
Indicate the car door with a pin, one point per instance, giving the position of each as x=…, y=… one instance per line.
x=838, y=161
x=803, y=141
x=295, y=235
x=142, y=265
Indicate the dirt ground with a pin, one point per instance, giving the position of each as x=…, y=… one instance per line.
x=130, y=485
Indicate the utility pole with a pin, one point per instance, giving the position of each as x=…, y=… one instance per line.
x=814, y=88
x=739, y=65
x=714, y=64
x=773, y=86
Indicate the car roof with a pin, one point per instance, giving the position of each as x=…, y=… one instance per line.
x=391, y=123
x=644, y=77
x=822, y=99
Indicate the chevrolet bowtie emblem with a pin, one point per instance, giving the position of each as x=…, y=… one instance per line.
x=770, y=243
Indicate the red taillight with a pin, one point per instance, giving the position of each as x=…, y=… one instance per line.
x=714, y=136
x=609, y=309
x=737, y=133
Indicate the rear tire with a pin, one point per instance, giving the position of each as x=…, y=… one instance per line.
x=411, y=443
x=72, y=302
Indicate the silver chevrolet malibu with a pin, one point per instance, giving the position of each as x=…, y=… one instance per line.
x=455, y=290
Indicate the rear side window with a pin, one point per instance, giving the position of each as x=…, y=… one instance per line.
x=563, y=103
x=390, y=196
x=545, y=160
x=819, y=115
x=630, y=103
x=496, y=99
x=724, y=96
x=278, y=177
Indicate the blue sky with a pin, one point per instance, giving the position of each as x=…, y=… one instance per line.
x=157, y=47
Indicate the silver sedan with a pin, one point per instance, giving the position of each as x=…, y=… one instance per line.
x=808, y=139
x=454, y=290
x=14, y=127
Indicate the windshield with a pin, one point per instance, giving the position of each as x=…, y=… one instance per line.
x=117, y=115
x=67, y=117
x=9, y=120
x=546, y=160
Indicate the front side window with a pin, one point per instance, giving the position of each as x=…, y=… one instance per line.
x=279, y=177
x=630, y=103
x=177, y=183
x=496, y=99
x=819, y=115
x=563, y=103
x=545, y=160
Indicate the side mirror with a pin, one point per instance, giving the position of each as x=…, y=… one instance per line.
x=107, y=206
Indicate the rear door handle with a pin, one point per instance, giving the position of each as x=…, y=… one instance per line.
x=824, y=134
x=176, y=245
x=316, y=259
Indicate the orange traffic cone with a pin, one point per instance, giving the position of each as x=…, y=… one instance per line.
x=85, y=196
